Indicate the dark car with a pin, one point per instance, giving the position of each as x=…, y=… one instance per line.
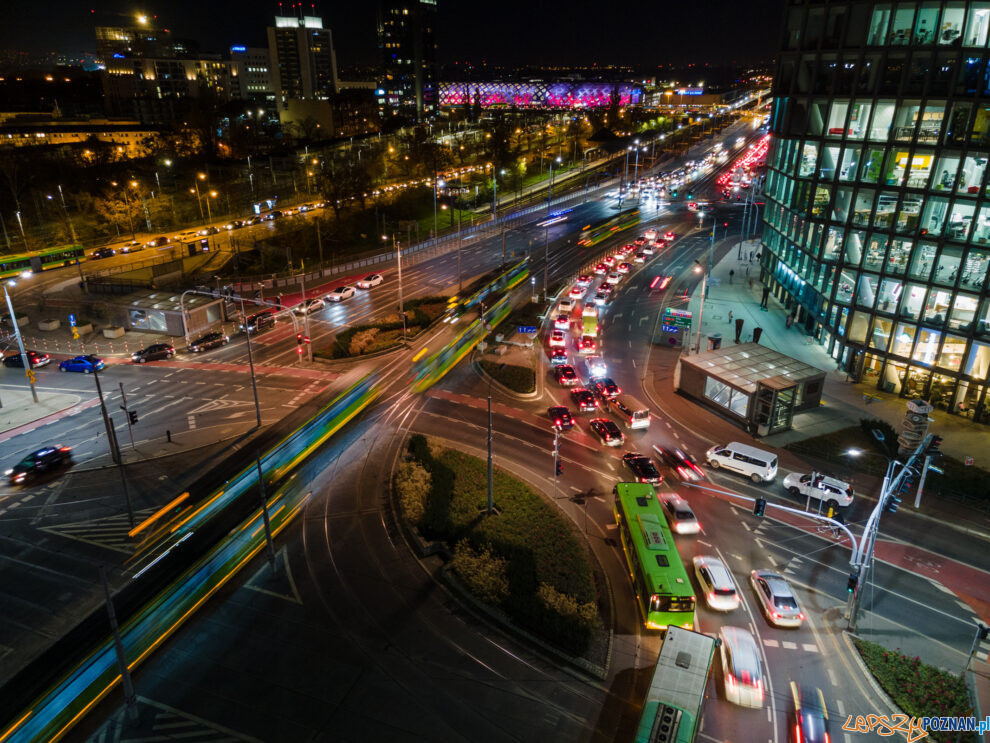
x=680, y=462
x=642, y=467
x=158, y=242
x=35, y=358
x=810, y=716
x=558, y=356
x=102, y=253
x=208, y=341
x=606, y=431
x=604, y=387
x=259, y=321
x=566, y=376
x=584, y=400
x=37, y=463
x=154, y=352
x=561, y=417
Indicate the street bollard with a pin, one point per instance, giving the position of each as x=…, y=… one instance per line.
x=168, y=435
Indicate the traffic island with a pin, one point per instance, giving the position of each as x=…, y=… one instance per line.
x=520, y=379
x=918, y=689
x=526, y=565
x=387, y=334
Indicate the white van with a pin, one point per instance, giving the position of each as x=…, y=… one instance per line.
x=756, y=464
x=630, y=411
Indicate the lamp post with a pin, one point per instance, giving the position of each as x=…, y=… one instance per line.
x=28, y=372
x=200, y=177
x=65, y=211
x=550, y=191
x=209, y=212
x=127, y=205
x=701, y=311
x=436, y=184
x=636, y=166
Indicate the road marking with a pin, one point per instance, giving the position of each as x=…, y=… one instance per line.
x=809, y=647
x=192, y=422
x=735, y=556
x=745, y=525
x=964, y=605
x=771, y=643
x=831, y=677
x=788, y=645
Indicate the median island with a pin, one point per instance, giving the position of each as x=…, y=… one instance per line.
x=385, y=334
x=524, y=561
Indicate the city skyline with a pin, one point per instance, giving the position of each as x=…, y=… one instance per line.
x=514, y=33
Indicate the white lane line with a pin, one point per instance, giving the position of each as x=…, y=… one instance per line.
x=788, y=645
x=771, y=643
x=746, y=525
x=809, y=647
x=831, y=677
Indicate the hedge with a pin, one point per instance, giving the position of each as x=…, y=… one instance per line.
x=516, y=378
x=540, y=576
x=918, y=689
x=361, y=340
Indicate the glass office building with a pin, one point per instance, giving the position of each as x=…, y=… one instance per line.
x=877, y=219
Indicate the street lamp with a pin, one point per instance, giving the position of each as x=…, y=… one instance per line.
x=701, y=311
x=201, y=177
x=127, y=205
x=28, y=371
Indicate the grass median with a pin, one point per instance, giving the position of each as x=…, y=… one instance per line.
x=525, y=560
x=362, y=340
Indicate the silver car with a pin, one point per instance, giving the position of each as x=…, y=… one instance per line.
x=742, y=674
x=716, y=583
x=340, y=294
x=778, y=601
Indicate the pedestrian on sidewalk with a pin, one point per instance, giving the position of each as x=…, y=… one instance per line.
x=730, y=316
x=788, y=321
x=732, y=273
x=751, y=256
x=747, y=273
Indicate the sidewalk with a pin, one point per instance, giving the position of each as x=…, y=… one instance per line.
x=739, y=297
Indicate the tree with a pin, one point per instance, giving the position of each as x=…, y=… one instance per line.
x=114, y=209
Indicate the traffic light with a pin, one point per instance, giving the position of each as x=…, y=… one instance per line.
x=933, y=447
x=690, y=194
x=760, y=507
x=853, y=581
x=299, y=343
x=559, y=468
x=132, y=416
x=893, y=501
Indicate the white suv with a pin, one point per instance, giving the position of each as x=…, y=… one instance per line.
x=716, y=583
x=819, y=487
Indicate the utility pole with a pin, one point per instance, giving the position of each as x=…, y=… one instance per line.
x=114, y=454
x=556, y=459
x=127, y=414
x=130, y=698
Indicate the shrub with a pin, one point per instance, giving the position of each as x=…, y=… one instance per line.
x=547, y=584
x=412, y=482
x=920, y=690
x=516, y=378
x=485, y=574
x=363, y=341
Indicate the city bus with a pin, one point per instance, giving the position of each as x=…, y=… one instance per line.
x=672, y=708
x=663, y=592
x=64, y=255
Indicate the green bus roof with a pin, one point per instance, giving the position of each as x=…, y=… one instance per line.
x=652, y=540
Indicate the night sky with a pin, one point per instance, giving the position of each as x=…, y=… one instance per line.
x=508, y=32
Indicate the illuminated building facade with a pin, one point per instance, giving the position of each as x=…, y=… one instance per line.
x=407, y=41
x=540, y=95
x=877, y=218
x=303, y=63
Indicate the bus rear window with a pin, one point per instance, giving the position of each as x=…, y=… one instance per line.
x=673, y=603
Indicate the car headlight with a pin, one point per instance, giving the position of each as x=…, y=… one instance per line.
x=7, y=473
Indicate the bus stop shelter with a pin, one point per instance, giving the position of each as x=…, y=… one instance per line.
x=759, y=388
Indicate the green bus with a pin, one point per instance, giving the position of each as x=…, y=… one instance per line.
x=592, y=234
x=672, y=709
x=663, y=591
x=64, y=255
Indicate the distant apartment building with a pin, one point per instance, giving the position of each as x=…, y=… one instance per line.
x=407, y=42
x=118, y=139
x=302, y=60
x=250, y=74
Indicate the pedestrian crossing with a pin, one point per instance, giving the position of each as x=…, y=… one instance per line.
x=109, y=531
x=157, y=722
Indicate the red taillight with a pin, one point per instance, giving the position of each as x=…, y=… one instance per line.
x=654, y=282
x=557, y=421
x=64, y=448
x=775, y=615
x=730, y=680
x=711, y=597
x=797, y=733
x=801, y=617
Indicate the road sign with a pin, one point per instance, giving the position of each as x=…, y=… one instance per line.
x=72, y=319
x=525, y=329
x=968, y=461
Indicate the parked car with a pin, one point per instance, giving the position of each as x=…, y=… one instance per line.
x=561, y=417
x=154, y=352
x=642, y=467
x=369, y=281
x=208, y=341
x=779, y=604
x=717, y=585
x=309, y=306
x=606, y=431
x=341, y=293
x=85, y=364
x=37, y=463
x=35, y=358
